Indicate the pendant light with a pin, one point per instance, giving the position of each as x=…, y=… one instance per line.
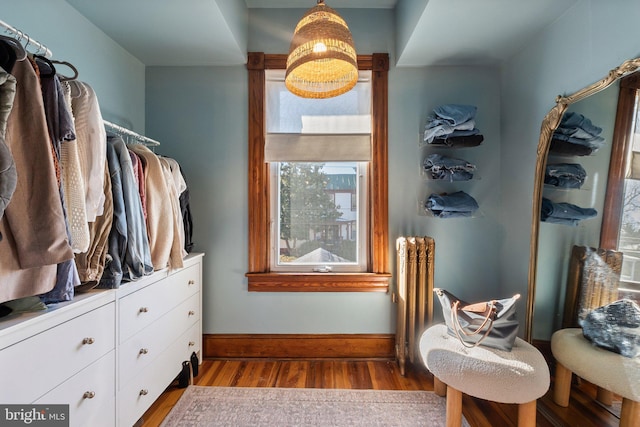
x=322, y=60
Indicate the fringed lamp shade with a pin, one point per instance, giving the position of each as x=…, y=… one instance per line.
x=322, y=61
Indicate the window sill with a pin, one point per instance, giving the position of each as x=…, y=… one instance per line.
x=318, y=282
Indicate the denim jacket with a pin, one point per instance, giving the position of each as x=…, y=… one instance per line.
x=129, y=253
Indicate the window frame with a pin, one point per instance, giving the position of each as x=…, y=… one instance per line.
x=259, y=276
x=622, y=142
x=620, y=146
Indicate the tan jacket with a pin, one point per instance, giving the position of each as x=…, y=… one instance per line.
x=161, y=227
x=33, y=224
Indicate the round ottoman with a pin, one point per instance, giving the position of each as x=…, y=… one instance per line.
x=520, y=376
x=603, y=368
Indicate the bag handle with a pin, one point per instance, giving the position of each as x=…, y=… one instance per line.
x=457, y=328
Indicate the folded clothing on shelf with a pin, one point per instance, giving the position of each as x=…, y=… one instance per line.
x=565, y=175
x=448, y=168
x=458, y=204
x=576, y=130
x=451, y=120
x=564, y=213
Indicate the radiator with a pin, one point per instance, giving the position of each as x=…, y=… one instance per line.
x=414, y=295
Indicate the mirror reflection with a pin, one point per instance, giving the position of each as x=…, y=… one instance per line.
x=586, y=242
x=560, y=193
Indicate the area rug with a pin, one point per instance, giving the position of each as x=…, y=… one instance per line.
x=288, y=407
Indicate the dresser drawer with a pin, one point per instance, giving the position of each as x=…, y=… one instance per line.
x=141, y=308
x=36, y=365
x=144, y=347
x=140, y=393
x=90, y=394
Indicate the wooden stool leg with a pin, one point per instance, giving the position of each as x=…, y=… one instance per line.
x=439, y=387
x=527, y=414
x=562, y=386
x=454, y=407
x=629, y=417
x=604, y=396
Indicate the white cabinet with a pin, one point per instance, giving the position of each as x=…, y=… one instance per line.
x=108, y=354
x=63, y=343
x=90, y=394
x=159, y=327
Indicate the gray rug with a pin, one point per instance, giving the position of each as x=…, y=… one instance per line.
x=249, y=406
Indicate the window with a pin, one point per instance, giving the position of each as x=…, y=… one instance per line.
x=313, y=227
x=329, y=234
x=318, y=151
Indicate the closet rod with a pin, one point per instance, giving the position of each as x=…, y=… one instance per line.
x=120, y=130
x=22, y=37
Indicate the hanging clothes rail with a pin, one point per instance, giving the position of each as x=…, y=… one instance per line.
x=129, y=133
x=26, y=40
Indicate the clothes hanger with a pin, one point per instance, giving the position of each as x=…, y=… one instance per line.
x=21, y=52
x=64, y=78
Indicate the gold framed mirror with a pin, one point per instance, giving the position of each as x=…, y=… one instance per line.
x=549, y=125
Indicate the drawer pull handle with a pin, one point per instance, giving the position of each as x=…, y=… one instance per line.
x=89, y=395
x=192, y=343
x=144, y=309
x=144, y=392
x=144, y=350
x=192, y=313
x=191, y=282
x=88, y=341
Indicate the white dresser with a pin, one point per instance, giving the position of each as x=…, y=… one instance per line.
x=109, y=354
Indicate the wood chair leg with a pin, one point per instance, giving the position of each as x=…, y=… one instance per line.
x=629, y=416
x=527, y=414
x=454, y=407
x=604, y=396
x=562, y=386
x=439, y=387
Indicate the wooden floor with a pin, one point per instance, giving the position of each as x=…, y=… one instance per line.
x=377, y=375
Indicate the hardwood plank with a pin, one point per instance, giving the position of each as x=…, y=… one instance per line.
x=293, y=373
x=359, y=375
x=384, y=374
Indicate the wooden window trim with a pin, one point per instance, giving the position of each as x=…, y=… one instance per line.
x=620, y=145
x=259, y=276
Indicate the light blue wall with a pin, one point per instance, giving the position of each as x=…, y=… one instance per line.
x=575, y=51
x=115, y=75
x=200, y=116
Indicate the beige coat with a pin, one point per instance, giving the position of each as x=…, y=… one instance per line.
x=161, y=227
x=33, y=224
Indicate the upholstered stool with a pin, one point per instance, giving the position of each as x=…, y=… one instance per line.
x=520, y=376
x=603, y=368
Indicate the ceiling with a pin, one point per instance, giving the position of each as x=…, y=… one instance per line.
x=429, y=32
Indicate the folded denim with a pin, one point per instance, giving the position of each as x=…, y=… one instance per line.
x=448, y=168
x=459, y=141
x=594, y=142
x=444, y=130
x=564, y=213
x=455, y=114
x=563, y=147
x=449, y=118
x=577, y=125
x=565, y=175
x=458, y=204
